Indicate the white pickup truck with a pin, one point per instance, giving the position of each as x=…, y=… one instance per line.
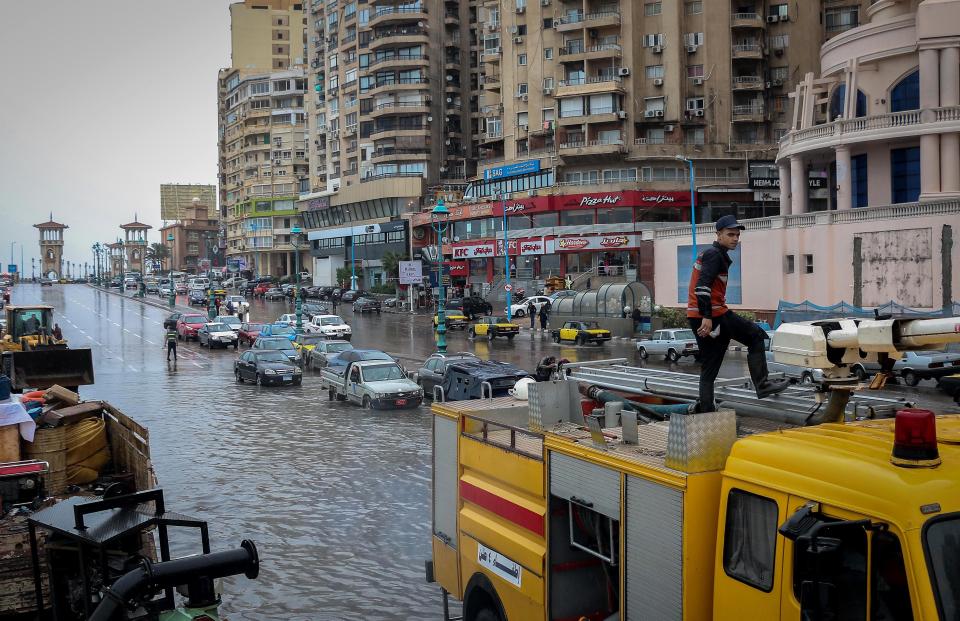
x=674, y=344
x=330, y=326
x=379, y=384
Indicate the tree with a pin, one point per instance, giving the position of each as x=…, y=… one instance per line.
x=158, y=252
x=343, y=275
x=391, y=264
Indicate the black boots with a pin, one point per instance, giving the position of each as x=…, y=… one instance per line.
x=771, y=387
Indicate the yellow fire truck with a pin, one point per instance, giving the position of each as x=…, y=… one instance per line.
x=581, y=504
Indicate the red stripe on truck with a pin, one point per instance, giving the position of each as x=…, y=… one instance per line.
x=521, y=516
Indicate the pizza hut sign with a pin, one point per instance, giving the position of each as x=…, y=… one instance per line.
x=593, y=201
x=614, y=242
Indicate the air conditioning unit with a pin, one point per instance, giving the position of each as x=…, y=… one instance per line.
x=769, y=84
x=698, y=113
x=518, y=40
x=649, y=114
x=514, y=30
x=771, y=19
x=544, y=2
x=547, y=91
x=521, y=10
x=778, y=51
x=778, y=82
x=691, y=49
x=621, y=114
x=524, y=97
x=658, y=82
x=668, y=128
x=784, y=18
x=698, y=81
x=277, y=162
x=657, y=49
x=658, y=113
x=523, y=128
x=623, y=71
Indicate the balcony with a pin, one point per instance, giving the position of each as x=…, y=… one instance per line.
x=400, y=62
x=579, y=19
x=589, y=86
x=600, y=146
x=396, y=130
x=748, y=83
x=392, y=84
x=575, y=53
x=746, y=20
x=490, y=81
x=747, y=51
x=490, y=55
x=451, y=18
x=650, y=141
x=491, y=136
x=395, y=154
x=752, y=113
x=400, y=107
x=595, y=116
x=399, y=36
x=389, y=14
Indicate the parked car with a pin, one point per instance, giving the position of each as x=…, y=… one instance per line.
x=344, y=358
x=372, y=384
x=170, y=323
x=274, y=294
x=581, y=333
x=492, y=327
x=472, y=306
x=318, y=357
x=249, y=332
x=432, y=372
x=520, y=308
x=366, y=305
x=198, y=297
x=330, y=326
x=46, y=282
x=231, y=321
x=217, y=334
x=266, y=367
x=452, y=319
x=324, y=293
x=278, y=343
x=116, y=283
x=930, y=364
x=950, y=384
x=673, y=344
x=189, y=324
x=278, y=329
x=390, y=302
x=311, y=292
x=350, y=295
x=261, y=288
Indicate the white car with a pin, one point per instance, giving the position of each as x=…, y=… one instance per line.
x=217, y=335
x=290, y=319
x=330, y=326
x=674, y=344
x=520, y=308
x=239, y=302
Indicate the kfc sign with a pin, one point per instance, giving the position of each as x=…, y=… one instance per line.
x=476, y=251
x=572, y=243
x=614, y=242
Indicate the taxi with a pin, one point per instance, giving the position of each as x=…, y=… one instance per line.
x=581, y=333
x=454, y=319
x=305, y=343
x=492, y=327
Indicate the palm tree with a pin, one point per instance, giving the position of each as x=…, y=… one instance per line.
x=158, y=252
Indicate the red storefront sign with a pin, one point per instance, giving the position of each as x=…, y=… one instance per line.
x=594, y=242
x=533, y=245
x=458, y=268
x=480, y=250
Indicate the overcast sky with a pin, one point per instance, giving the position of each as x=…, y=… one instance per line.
x=103, y=100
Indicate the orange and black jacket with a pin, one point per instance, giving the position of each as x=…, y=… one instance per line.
x=707, y=294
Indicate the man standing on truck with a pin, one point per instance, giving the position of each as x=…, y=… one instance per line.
x=715, y=325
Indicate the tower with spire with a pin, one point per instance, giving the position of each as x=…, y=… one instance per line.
x=135, y=244
x=51, y=248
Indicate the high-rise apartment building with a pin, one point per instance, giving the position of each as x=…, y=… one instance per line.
x=262, y=143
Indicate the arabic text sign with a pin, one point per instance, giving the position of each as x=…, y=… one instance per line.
x=411, y=272
x=500, y=565
x=598, y=242
x=476, y=251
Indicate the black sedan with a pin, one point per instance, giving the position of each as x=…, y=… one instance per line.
x=310, y=309
x=198, y=297
x=350, y=295
x=366, y=305
x=274, y=294
x=266, y=368
x=170, y=323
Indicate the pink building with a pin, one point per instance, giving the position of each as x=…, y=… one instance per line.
x=882, y=122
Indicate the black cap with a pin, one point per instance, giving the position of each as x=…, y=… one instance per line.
x=729, y=222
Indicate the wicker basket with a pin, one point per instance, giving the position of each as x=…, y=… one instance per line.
x=50, y=445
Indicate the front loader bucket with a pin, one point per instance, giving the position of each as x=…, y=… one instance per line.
x=42, y=368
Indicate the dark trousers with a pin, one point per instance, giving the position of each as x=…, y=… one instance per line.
x=533, y=319
x=172, y=347
x=543, y=321
x=733, y=327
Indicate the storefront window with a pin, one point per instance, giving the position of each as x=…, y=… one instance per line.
x=579, y=261
x=549, y=265
x=546, y=219
x=576, y=217
x=616, y=215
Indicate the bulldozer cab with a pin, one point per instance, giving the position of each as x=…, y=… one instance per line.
x=29, y=321
x=33, y=358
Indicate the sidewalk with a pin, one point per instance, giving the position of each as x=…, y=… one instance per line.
x=148, y=301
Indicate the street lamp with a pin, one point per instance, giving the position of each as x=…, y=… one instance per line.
x=440, y=220
x=506, y=254
x=11, y=250
x=353, y=256
x=298, y=300
x=172, y=298
x=693, y=208
x=96, y=263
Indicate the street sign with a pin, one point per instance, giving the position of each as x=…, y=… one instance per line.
x=12, y=268
x=508, y=287
x=233, y=265
x=411, y=272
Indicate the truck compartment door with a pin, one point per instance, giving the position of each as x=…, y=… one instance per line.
x=586, y=484
x=653, y=570
x=445, y=477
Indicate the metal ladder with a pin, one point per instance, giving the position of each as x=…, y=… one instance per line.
x=794, y=406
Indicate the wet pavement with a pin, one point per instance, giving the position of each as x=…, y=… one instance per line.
x=337, y=498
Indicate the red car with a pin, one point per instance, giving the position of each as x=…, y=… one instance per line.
x=188, y=324
x=261, y=289
x=249, y=332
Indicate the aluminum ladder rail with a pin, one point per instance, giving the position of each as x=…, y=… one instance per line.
x=796, y=405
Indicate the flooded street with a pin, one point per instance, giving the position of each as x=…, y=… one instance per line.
x=337, y=498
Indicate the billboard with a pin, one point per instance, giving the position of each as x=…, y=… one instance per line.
x=411, y=272
x=685, y=265
x=175, y=198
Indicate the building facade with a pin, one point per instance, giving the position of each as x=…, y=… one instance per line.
x=881, y=123
x=51, y=248
x=262, y=144
x=135, y=245
x=194, y=238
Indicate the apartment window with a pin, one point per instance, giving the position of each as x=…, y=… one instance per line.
x=333, y=61
x=905, y=174
x=858, y=175
x=364, y=17
x=350, y=77
x=548, y=23
x=522, y=60
x=906, y=94
x=840, y=18
x=693, y=38
x=694, y=8
x=548, y=83
x=780, y=10
x=789, y=266
x=259, y=88
x=778, y=42
x=548, y=53
x=694, y=71
x=333, y=82
x=521, y=4
x=522, y=30
x=694, y=103
x=779, y=133
x=808, y=263
x=693, y=136
x=653, y=71
x=781, y=74
x=650, y=40
x=602, y=104
x=652, y=104
x=522, y=89
x=523, y=119
x=349, y=10
x=655, y=135
x=572, y=106
x=547, y=115
x=652, y=8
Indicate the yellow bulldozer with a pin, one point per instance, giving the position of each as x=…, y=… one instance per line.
x=33, y=358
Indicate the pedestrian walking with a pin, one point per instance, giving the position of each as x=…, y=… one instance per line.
x=544, y=316
x=171, y=340
x=532, y=311
x=715, y=325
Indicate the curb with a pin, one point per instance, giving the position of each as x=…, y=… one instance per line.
x=145, y=301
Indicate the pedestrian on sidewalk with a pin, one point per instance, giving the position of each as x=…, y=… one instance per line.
x=532, y=311
x=171, y=340
x=544, y=316
x=715, y=325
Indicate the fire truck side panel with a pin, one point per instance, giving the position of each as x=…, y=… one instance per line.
x=445, y=480
x=585, y=483
x=701, y=503
x=502, y=522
